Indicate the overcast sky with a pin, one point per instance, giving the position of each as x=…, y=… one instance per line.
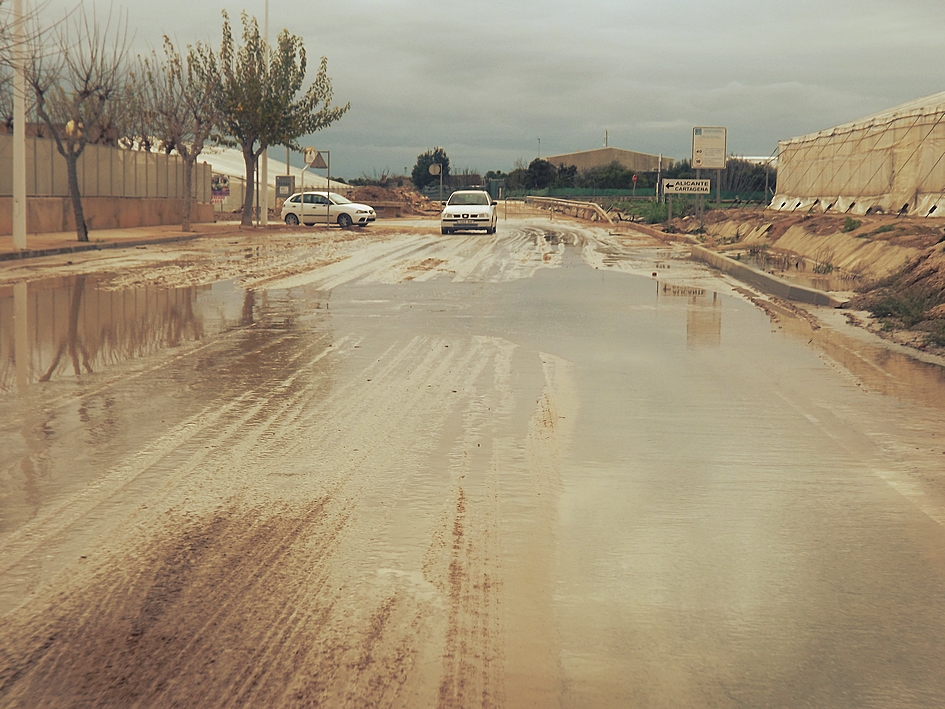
x=487, y=79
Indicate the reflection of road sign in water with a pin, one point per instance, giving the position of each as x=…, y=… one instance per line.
x=219, y=188
x=709, y=147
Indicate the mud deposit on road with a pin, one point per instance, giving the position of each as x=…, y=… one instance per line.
x=398, y=469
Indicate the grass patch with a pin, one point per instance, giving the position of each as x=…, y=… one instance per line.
x=908, y=308
x=851, y=224
x=937, y=336
x=652, y=212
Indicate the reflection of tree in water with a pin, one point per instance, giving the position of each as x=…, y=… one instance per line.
x=78, y=328
x=72, y=337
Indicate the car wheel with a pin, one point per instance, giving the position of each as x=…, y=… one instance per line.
x=344, y=220
x=291, y=220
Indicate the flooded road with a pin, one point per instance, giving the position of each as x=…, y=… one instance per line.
x=407, y=470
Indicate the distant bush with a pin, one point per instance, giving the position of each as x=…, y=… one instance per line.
x=937, y=336
x=652, y=212
x=851, y=224
x=909, y=308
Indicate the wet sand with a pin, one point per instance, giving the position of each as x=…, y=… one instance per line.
x=402, y=469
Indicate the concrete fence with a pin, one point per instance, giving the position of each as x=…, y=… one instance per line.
x=120, y=188
x=103, y=171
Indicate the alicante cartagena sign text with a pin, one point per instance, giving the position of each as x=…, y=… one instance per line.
x=686, y=187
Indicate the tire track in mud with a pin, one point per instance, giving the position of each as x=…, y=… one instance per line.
x=535, y=676
x=252, y=601
x=271, y=570
x=513, y=255
x=232, y=425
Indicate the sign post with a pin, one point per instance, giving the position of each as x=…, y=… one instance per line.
x=437, y=169
x=285, y=187
x=219, y=189
x=671, y=187
x=709, y=150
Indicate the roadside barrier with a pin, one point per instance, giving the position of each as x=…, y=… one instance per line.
x=590, y=211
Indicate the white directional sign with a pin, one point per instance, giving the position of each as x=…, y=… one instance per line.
x=686, y=187
x=708, y=148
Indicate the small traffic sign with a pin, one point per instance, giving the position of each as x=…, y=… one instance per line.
x=686, y=186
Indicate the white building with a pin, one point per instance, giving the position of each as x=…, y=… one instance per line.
x=229, y=162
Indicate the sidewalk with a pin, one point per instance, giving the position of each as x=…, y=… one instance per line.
x=65, y=241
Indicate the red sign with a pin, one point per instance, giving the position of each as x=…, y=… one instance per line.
x=634, y=178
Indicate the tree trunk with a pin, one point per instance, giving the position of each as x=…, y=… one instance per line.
x=188, y=164
x=249, y=157
x=81, y=230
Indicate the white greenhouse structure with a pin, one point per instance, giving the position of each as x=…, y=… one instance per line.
x=892, y=162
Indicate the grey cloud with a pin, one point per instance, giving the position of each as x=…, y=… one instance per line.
x=485, y=80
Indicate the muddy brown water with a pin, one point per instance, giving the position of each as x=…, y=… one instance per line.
x=465, y=471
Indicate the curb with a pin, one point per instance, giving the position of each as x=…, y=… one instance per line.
x=752, y=276
x=764, y=281
x=98, y=246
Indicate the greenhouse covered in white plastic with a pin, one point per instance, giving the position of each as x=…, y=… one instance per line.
x=892, y=162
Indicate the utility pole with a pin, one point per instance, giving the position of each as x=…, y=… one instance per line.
x=19, y=129
x=264, y=158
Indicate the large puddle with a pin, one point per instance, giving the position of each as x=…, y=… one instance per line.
x=592, y=487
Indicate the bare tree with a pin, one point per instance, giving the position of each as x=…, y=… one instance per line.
x=180, y=94
x=6, y=97
x=73, y=87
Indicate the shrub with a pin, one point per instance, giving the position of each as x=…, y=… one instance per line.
x=851, y=224
x=910, y=308
x=937, y=336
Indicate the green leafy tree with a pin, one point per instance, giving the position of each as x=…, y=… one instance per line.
x=260, y=98
x=517, y=179
x=541, y=174
x=178, y=95
x=421, y=170
x=566, y=176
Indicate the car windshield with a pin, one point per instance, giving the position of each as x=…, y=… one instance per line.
x=338, y=199
x=469, y=198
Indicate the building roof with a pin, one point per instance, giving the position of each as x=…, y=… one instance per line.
x=229, y=161
x=598, y=157
x=925, y=106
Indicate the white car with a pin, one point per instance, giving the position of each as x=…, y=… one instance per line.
x=325, y=208
x=468, y=209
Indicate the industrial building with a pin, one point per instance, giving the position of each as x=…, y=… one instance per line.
x=589, y=159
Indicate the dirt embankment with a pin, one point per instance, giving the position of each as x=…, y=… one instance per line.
x=407, y=199
x=894, y=267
